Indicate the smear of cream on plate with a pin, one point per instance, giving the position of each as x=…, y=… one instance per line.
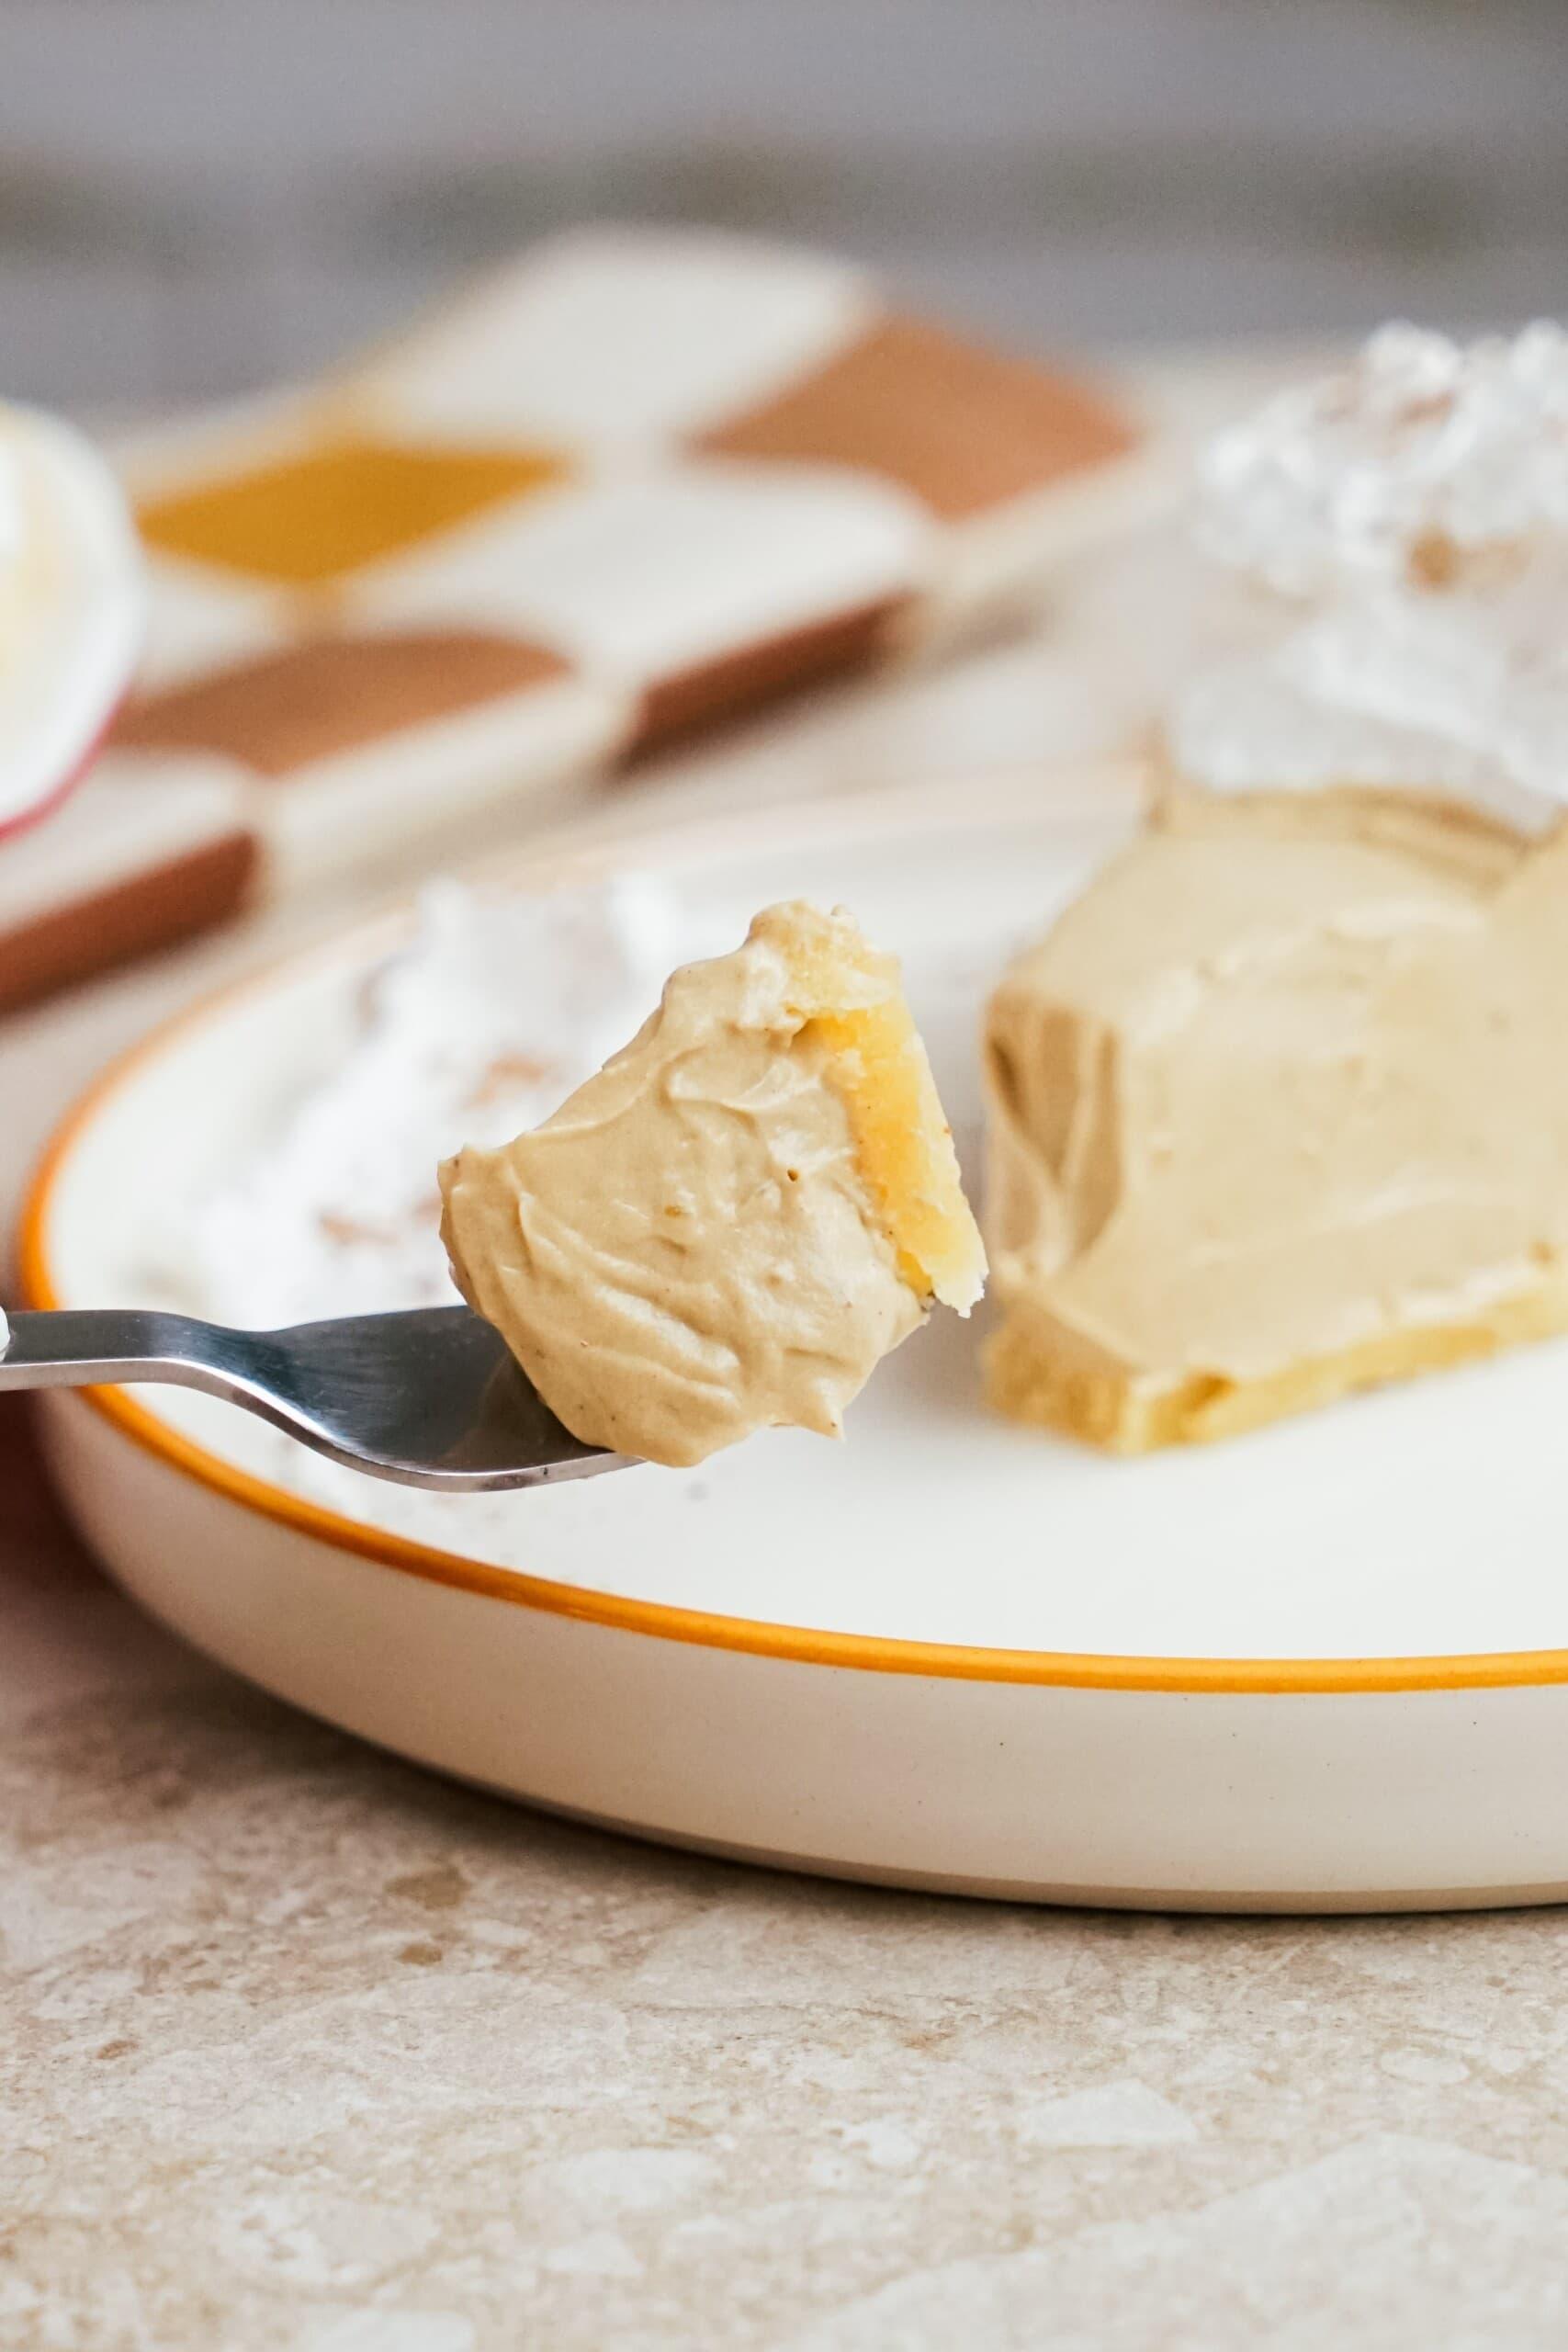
x=478, y=1028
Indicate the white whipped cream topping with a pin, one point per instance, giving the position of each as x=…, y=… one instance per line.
x=480, y=1027
x=1409, y=517
x=1420, y=441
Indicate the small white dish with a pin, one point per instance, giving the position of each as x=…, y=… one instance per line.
x=71, y=609
x=1325, y=1668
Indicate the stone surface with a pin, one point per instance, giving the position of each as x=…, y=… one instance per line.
x=302, y=2051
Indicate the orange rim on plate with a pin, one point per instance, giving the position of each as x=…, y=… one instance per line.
x=862, y=1653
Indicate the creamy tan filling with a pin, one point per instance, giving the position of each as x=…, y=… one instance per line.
x=695, y=1246
x=1288, y=1079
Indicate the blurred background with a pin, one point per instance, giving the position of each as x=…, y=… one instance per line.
x=197, y=196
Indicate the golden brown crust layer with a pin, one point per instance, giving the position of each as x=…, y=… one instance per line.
x=1029, y=1382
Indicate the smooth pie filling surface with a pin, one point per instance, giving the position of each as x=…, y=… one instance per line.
x=1278, y=1110
x=730, y=1225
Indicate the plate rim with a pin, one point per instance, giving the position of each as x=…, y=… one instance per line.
x=578, y=855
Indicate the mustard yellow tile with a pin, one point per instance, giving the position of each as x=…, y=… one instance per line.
x=306, y=520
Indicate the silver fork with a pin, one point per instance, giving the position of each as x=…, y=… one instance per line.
x=430, y=1397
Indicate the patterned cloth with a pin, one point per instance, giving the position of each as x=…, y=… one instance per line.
x=635, y=482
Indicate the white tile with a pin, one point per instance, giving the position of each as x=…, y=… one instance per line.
x=642, y=578
x=628, y=336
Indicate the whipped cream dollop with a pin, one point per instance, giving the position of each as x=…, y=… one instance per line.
x=481, y=1025
x=1408, y=517
x=1421, y=453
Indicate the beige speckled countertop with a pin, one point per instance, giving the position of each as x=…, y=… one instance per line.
x=302, y=2051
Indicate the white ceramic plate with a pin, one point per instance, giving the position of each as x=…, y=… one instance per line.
x=1325, y=1666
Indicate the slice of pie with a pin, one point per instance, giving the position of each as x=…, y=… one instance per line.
x=727, y=1227
x=1279, y=1109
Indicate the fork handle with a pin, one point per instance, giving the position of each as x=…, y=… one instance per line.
x=80, y=1347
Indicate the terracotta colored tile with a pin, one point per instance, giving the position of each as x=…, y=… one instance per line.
x=963, y=428
x=328, y=695
x=134, y=915
x=753, y=673
x=311, y=518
